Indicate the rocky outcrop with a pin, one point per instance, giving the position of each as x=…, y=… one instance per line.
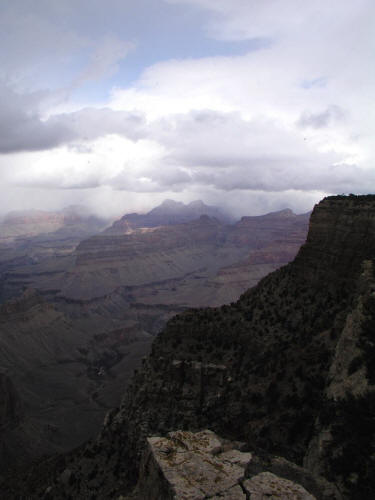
x=186, y=465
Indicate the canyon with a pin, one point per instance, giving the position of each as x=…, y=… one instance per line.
x=78, y=318
x=288, y=370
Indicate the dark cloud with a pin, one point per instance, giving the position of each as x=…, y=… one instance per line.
x=320, y=120
x=263, y=176
x=91, y=123
x=23, y=128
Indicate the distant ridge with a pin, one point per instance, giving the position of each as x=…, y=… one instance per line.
x=169, y=212
x=74, y=219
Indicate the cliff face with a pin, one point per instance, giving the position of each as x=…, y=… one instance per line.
x=341, y=237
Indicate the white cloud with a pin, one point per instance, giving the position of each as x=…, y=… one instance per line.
x=293, y=117
x=107, y=161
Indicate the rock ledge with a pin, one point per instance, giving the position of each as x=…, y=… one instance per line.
x=194, y=466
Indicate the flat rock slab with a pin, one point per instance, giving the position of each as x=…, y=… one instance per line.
x=202, y=466
x=271, y=487
x=189, y=466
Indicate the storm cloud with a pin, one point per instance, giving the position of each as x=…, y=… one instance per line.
x=23, y=127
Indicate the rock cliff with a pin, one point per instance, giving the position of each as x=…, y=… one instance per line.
x=270, y=370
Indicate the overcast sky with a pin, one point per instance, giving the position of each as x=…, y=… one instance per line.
x=256, y=105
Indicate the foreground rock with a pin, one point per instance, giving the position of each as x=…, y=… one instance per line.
x=186, y=465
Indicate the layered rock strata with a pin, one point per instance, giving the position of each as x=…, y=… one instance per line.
x=188, y=255
x=202, y=262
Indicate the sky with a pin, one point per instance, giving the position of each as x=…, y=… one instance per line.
x=252, y=105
